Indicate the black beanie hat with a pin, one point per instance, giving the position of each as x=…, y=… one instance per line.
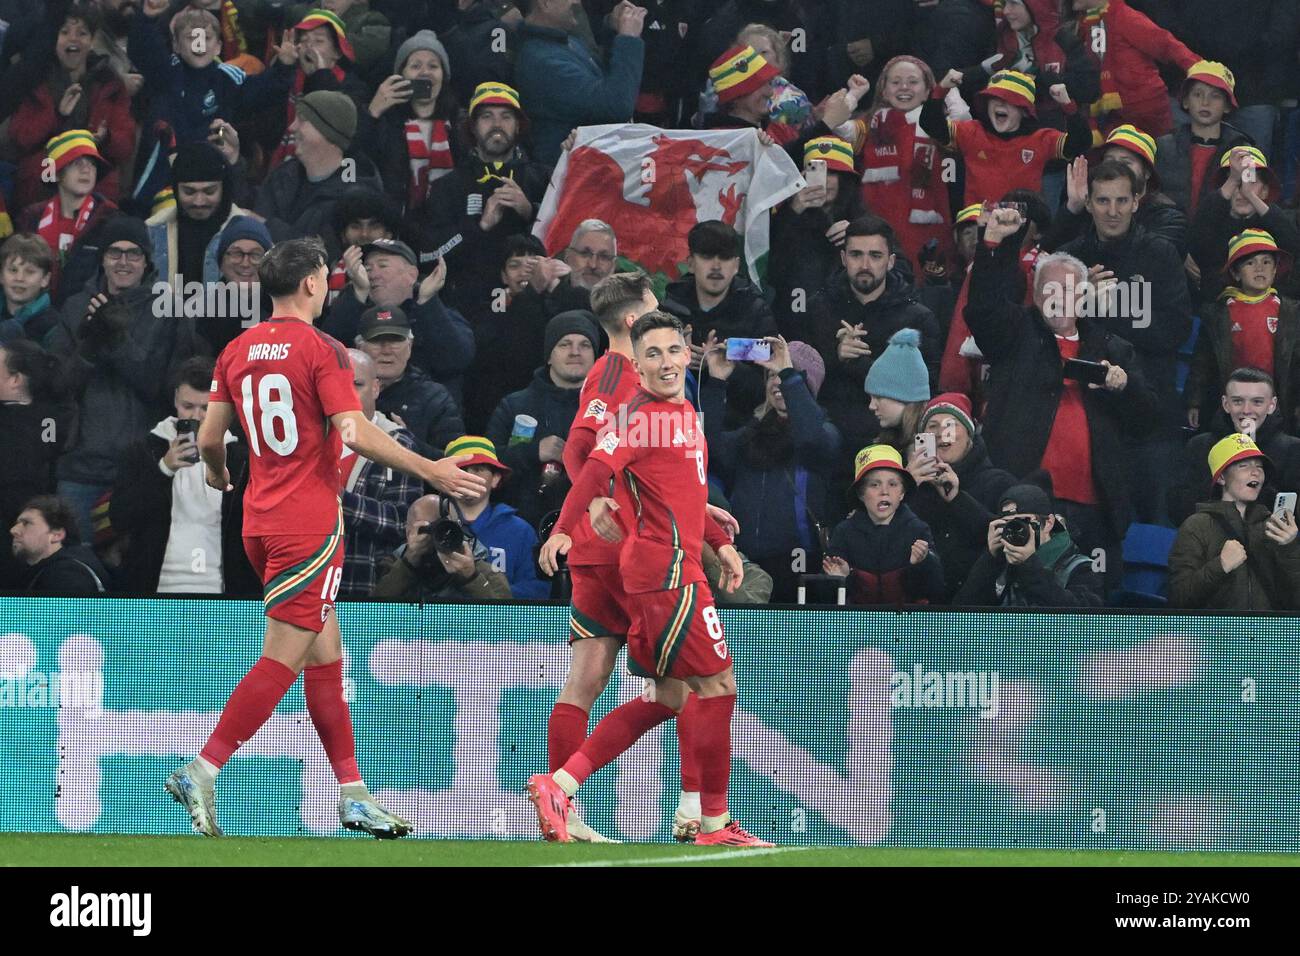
x=575, y=321
x=198, y=163
x=124, y=228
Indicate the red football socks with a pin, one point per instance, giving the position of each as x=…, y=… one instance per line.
x=249, y=707
x=712, y=744
x=330, y=716
x=622, y=727
x=565, y=732
x=686, y=730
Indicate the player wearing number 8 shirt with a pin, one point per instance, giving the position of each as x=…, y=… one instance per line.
x=658, y=459
x=291, y=386
x=598, y=625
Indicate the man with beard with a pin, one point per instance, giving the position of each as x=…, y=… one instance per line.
x=851, y=320
x=185, y=235
x=493, y=194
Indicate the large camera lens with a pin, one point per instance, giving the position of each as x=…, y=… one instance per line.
x=448, y=536
x=1017, y=531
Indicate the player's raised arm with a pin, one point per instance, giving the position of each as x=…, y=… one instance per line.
x=370, y=441
x=212, y=444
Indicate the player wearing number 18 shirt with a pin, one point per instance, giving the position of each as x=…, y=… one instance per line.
x=292, y=388
x=659, y=461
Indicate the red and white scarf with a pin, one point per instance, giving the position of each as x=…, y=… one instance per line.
x=430, y=158
x=337, y=281
x=48, y=227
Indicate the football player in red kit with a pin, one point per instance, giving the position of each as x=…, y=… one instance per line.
x=658, y=460
x=291, y=384
x=598, y=624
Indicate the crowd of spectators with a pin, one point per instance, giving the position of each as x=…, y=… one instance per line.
x=1039, y=288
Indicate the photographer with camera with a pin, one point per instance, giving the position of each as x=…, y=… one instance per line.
x=440, y=561
x=178, y=534
x=1031, y=560
x=119, y=351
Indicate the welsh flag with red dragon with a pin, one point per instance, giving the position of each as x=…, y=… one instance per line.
x=652, y=185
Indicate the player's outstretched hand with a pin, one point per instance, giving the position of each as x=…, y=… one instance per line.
x=549, y=557
x=447, y=476
x=725, y=519
x=733, y=569
x=221, y=482
x=601, y=512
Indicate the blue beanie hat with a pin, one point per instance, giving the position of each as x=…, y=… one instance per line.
x=243, y=227
x=900, y=372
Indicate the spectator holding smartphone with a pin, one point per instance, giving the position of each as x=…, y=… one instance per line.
x=409, y=128
x=180, y=535
x=957, y=487
x=1232, y=554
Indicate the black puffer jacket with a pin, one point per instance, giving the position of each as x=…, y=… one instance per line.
x=1025, y=384
x=428, y=409
x=119, y=381
x=953, y=34
x=294, y=206
x=960, y=527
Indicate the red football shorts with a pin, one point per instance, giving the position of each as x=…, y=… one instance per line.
x=598, y=603
x=676, y=633
x=300, y=575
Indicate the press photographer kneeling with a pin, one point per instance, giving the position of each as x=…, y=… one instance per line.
x=441, y=560
x=1031, y=560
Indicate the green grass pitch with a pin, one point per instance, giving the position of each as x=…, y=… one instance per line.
x=77, y=850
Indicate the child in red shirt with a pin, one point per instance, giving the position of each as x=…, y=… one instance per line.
x=1250, y=325
x=1004, y=148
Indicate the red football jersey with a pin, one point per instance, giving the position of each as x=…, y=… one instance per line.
x=610, y=384
x=995, y=166
x=661, y=463
x=286, y=378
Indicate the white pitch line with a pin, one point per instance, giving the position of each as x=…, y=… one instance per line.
x=682, y=860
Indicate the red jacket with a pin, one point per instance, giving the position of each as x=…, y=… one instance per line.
x=37, y=119
x=1131, y=88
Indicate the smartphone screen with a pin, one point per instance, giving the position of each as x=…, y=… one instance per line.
x=748, y=350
